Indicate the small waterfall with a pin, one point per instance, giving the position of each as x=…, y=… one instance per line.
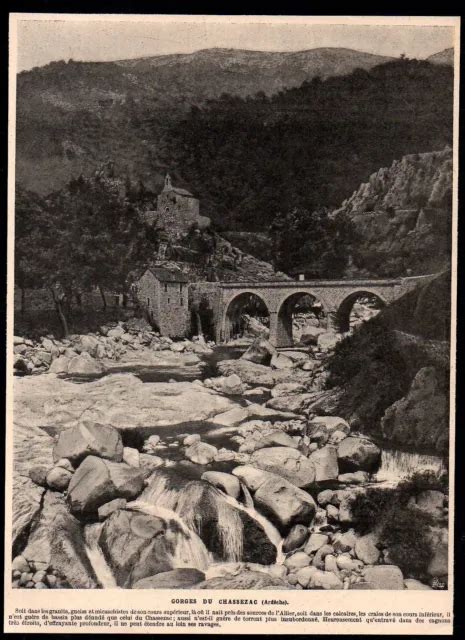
x=229, y=523
x=96, y=558
x=192, y=505
x=396, y=465
x=190, y=551
x=248, y=500
x=272, y=533
x=160, y=492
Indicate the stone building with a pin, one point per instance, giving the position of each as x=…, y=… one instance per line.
x=177, y=211
x=163, y=294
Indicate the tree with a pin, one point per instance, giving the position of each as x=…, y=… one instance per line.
x=82, y=237
x=319, y=241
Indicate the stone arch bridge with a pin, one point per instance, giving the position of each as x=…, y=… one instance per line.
x=336, y=297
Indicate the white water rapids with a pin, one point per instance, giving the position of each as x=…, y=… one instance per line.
x=100, y=566
x=180, y=508
x=396, y=465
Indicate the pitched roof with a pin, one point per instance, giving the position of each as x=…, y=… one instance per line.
x=182, y=192
x=168, y=275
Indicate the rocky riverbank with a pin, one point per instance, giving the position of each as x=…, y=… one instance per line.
x=242, y=480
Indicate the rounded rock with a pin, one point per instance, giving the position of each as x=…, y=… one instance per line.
x=297, y=560
x=20, y=564
x=59, y=478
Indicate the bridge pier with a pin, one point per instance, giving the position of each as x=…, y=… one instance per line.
x=332, y=321
x=273, y=337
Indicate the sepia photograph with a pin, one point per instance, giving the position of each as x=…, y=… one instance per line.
x=231, y=307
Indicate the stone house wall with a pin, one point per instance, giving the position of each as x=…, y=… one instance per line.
x=177, y=212
x=166, y=305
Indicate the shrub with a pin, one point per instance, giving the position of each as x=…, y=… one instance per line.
x=370, y=507
x=423, y=481
x=405, y=533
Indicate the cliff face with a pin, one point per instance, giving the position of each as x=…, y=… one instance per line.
x=391, y=376
x=402, y=217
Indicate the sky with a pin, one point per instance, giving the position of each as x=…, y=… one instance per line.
x=40, y=41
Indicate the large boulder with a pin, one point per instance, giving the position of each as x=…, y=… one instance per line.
x=59, y=365
x=56, y=541
x=310, y=335
x=249, y=372
x=236, y=416
x=296, y=537
x=174, y=579
x=121, y=400
x=328, y=340
x=260, y=352
x=244, y=580
x=201, y=453
x=384, y=576
x=84, y=365
x=295, y=403
x=32, y=447
x=287, y=389
x=58, y=478
x=284, y=503
x=281, y=361
x=88, y=439
x=274, y=439
x=224, y=481
x=329, y=423
x=252, y=477
x=287, y=463
x=366, y=549
x=315, y=542
x=325, y=463
x=97, y=481
x=297, y=560
x=87, y=344
x=356, y=453
x=116, y=333
x=230, y=385
x=421, y=417
x=324, y=580
x=136, y=545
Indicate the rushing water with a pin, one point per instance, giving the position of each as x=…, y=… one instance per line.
x=272, y=533
x=396, y=465
x=190, y=551
x=104, y=575
x=180, y=507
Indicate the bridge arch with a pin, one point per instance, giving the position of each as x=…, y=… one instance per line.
x=303, y=300
x=246, y=302
x=343, y=313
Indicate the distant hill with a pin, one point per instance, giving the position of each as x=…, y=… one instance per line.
x=443, y=57
x=248, y=159
x=73, y=115
x=211, y=72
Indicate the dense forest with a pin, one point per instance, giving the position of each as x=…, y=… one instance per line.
x=278, y=164
x=250, y=160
